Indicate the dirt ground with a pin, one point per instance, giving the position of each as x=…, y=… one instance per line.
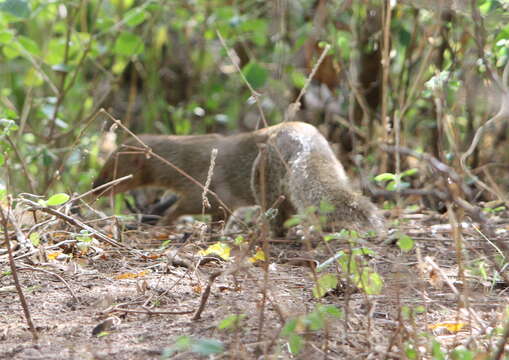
x=115, y=303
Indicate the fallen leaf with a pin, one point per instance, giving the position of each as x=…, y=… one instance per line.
x=258, y=256
x=219, y=248
x=131, y=275
x=452, y=327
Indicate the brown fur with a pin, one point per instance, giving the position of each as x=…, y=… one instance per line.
x=297, y=159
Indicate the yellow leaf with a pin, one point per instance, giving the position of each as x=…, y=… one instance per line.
x=131, y=275
x=54, y=255
x=258, y=256
x=219, y=248
x=451, y=326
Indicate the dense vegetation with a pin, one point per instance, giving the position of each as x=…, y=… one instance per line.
x=421, y=73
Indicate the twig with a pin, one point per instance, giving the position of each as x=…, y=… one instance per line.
x=434, y=162
x=295, y=106
x=57, y=245
x=29, y=178
x=103, y=186
x=205, y=201
x=95, y=233
x=28, y=267
x=12, y=265
x=22, y=239
x=150, y=312
x=206, y=294
x=255, y=94
x=385, y=79
x=64, y=157
x=262, y=166
x=449, y=283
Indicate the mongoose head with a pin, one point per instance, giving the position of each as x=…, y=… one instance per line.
x=122, y=162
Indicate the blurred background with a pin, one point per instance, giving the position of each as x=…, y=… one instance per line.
x=416, y=74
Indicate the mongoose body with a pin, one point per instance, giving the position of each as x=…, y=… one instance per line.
x=293, y=157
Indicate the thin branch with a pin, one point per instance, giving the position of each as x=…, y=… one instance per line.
x=103, y=186
x=295, y=106
x=12, y=265
x=27, y=267
x=205, y=295
x=255, y=94
x=95, y=233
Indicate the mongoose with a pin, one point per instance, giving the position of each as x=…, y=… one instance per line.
x=294, y=157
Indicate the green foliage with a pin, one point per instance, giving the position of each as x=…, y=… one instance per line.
x=325, y=283
x=35, y=239
x=201, y=346
x=395, y=181
x=17, y=8
x=255, y=74
x=405, y=242
x=231, y=322
x=355, y=268
x=55, y=200
x=314, y=321
x=128, y=44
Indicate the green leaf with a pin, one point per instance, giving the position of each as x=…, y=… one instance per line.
x=5, y=37
x=436, y=351
x=325, y=283
x=295, y=343
x=330, y=310
x=57, y=199
x=344, y=41
x=315, y=321
x=29, y=45
x=405, y=243
x=289, y=327
x=33, y=78
x=2, y=159
x=135, y=17
x=409, y=172
x=461, y=353
x=293, y=221
x=411, y=353
x=371, y=282
x=18, y=8
x=231, y=321
x=385, y=177
x=419, y=309
x=298, y=79
x=404, y=37
x=35, y=238
x=10, y=51
x=128, y=44
x=255, y=74
x=55, y=52
x=181, y=344
x=207, y=346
